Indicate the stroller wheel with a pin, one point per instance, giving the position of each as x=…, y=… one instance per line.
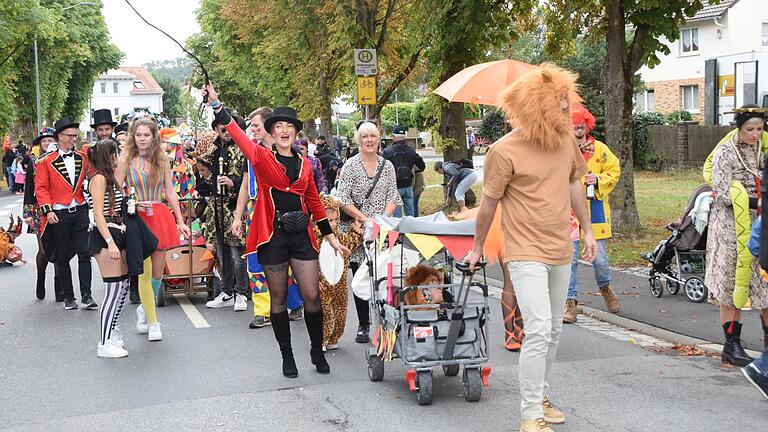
x=695, y=290
x=656, y=289
x=375, y=368
x=672, y=287
x=451, y=370
x=424, y=391
x=473, y=384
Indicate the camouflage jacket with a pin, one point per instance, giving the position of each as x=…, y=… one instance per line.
x=222, y=205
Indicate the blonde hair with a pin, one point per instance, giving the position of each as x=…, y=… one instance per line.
x=367, y=128
x=156, y=156
x=533, y=105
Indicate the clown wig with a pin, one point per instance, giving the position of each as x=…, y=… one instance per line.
x=537, y=106
x=579, y=115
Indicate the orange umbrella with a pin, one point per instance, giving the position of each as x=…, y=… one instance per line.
x=482, y=83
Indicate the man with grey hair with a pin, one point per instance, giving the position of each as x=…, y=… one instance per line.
x=404, y=159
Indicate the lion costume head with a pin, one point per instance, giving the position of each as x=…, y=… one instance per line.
x=422, y=275
x=537, y=105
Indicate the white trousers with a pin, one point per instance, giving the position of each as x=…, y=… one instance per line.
x=541, y=290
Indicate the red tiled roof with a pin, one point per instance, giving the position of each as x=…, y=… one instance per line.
x=713, y=11
x=142, y=74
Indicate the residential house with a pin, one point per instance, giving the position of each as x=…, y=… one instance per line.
x=714, y=64
x=124, y=90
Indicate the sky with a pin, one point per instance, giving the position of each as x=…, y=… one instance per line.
x=141, y=43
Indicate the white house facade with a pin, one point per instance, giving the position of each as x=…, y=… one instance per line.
x=124, y=90
x=715, y=64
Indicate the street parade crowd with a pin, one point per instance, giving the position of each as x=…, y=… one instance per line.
x=264, y=200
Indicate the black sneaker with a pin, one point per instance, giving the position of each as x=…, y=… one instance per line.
x=756, y=378
x=362, y=334
x=88, y=303
x=70, y=304
x=296, y=314
x=259, y=321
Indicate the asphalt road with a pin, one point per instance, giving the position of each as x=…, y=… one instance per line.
x=227, y=378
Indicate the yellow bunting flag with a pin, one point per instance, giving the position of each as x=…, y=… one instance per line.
x=427, y=245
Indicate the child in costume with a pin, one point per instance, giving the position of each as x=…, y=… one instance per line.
x=334, y=296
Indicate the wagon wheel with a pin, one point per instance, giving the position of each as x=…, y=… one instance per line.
x=473, y=384
x=451, y=370
x=673, y=287
x=695, y=289
x=424, y=391
x=375, y=368
x=656, y=289
x=160, y=297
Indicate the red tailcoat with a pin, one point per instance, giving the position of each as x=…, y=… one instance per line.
x=270, y=174
x=52, y=183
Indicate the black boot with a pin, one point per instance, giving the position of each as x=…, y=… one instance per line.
x=314, y=322
x=282, y=328
x=40, y=286
x=733, y=352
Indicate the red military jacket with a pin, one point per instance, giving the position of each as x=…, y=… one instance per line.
x=52, y=183
x=270, y=174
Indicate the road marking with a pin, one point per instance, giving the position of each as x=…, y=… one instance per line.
x=192, y=313
x=4, y=212
x=12, y=205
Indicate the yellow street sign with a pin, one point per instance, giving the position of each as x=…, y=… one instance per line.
x=366, y=90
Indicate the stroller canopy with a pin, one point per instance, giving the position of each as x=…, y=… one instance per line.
x=434, y=224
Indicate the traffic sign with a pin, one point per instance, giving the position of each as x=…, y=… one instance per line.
x=366, y=90
x=365, y=62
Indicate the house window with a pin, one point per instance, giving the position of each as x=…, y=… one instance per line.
x=689, y=41
x=645, y=101
x=117, y=112
x=138, y=84
x=114, y=87
x=764, y=35
x=690, y=98
x=103, y=87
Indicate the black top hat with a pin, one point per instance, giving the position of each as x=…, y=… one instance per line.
x=286, y=114
x=102, y=117
x=122, y=127
x=64, y=123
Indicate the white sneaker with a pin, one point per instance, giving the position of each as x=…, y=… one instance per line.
x=117, y=337
x=222, y=300
x=154, y=332
x=142, y=326
x=241, y=302
x=111, y=350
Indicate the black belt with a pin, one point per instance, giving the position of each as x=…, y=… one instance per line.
x=74, y=209
x=117, y=220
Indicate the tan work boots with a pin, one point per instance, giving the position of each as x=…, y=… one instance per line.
x=611, y=301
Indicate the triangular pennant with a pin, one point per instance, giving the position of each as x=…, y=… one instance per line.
x=376, y=229
x=207, y=256
x=458, y=246
x=427, y=245
x=382, y=236
x=393, y=235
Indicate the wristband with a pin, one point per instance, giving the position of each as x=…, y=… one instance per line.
x=215, y=104
x=109, y=240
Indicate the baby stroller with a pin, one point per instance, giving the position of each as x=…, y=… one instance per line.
x=451, y=335
x=680, y=260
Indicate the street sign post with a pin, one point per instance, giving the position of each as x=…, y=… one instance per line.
x=365, y=62
x=366, y=90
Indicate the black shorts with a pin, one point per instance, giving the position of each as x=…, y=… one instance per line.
x=283, y=247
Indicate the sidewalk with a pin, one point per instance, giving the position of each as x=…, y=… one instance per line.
x=672, y=313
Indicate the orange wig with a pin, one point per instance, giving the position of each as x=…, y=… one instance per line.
x=537, y=105
x=579, y=115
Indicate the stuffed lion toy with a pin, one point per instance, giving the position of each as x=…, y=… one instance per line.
x=423, y=276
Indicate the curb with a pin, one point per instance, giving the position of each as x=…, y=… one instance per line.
x=641, y=327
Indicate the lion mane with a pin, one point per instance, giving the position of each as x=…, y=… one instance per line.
x=533, y=105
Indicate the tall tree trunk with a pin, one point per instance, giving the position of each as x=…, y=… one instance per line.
x=309, y=129
x=326, y=111
x=452, y=129
x=617, y=90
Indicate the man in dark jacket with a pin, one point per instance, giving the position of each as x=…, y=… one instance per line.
x=404, y=159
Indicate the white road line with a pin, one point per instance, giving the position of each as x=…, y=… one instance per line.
x=192, y=313
x=12, y=205
x=4, y=212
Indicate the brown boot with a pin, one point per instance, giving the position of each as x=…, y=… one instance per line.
x=569, y=317
x=537, y=425
x=611, y=301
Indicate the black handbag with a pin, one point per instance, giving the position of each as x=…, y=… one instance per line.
x=293, y=222
x=347, y=218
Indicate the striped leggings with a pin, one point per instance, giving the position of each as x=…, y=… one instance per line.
x=115, y=290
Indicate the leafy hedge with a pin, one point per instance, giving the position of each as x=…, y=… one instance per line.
x=492, y=126
x=641, y=151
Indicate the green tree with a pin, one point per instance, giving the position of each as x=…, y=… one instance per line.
x=634, y=33
x=171, y=98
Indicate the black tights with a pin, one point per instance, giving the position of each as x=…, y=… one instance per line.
x=307, y=275
x=41, y=260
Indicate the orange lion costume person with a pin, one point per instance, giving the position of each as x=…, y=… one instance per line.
x=422, y=275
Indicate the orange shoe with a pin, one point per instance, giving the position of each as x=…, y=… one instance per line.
x=513, y=339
